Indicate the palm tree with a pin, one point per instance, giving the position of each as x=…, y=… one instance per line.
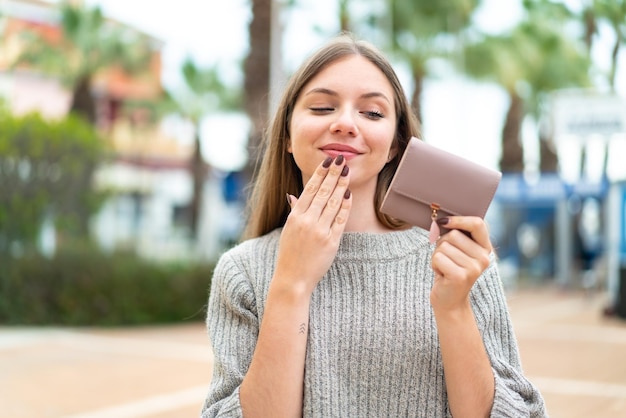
x=425, y=29
x=614, y=13
x=257, y=78
x=344, y=16
x=498, y=59
x=204, y=92
x=532, y=60
x=89, y=44
x=590, y=24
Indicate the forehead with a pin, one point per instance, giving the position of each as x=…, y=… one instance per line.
x=352, y=72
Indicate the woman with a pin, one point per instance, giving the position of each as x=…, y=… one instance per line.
x=332, y=309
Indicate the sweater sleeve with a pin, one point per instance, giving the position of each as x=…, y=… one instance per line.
x=514, y=396
x=233, y=326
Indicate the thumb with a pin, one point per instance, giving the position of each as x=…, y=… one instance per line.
x=291, y=200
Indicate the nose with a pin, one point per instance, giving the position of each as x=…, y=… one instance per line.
x=345, y=123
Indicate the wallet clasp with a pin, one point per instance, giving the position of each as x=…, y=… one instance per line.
x=435, y=208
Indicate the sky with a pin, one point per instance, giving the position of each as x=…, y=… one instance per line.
x=462, y=116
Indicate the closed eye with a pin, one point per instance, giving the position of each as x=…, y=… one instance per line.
x=322, y=109
x=373, y=114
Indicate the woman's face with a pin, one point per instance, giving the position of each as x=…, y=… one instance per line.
x=347, y=108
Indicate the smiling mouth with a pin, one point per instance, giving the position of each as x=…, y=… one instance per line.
x=347, y=152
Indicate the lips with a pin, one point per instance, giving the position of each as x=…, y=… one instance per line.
x=335, y=149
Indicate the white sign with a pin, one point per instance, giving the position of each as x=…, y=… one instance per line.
x=582, y=114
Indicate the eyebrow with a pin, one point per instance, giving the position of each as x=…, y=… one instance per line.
x=329, y=92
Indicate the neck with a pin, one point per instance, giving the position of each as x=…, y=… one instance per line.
x=363, y=214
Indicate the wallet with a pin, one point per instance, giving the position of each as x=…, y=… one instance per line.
x=431, y=183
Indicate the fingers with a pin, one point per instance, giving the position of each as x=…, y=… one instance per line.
x=325, y=194
x=465, y=263
x=459, y=255
x=314, y=183
x=339, y=222
x=475, y=226
x=342, y=216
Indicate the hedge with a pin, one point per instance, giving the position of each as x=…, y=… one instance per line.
x=87, y=287
x=46, y=171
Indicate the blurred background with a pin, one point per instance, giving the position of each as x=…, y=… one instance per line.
x=130, y=129
x=129, y=132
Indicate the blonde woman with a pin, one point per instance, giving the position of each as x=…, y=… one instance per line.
x=329, y=308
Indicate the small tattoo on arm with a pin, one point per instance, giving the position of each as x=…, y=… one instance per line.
x=302, y=328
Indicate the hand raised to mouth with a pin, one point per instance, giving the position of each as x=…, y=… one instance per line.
x=312, y=232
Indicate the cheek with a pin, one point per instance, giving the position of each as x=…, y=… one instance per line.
x=383, y=154
x=306, y=166
x=301, y=136
x=298, y=148
x=302, y=128
x=384, y=142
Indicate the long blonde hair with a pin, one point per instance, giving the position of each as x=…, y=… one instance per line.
x=278, y=173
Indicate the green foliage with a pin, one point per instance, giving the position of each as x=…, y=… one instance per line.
x=46, y=169
x=85, y=287
x=204, y=92
x=89, y=44
x=423, y=30
x=612, y=12
x=430, y=18
x=538, y=54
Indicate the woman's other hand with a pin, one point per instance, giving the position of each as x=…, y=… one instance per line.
x=459, y=259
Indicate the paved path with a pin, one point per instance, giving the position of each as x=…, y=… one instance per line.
x=104, y=373
x=575, y=356
x=571, y=352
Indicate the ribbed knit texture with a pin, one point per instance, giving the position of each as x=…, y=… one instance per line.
x=372, y=347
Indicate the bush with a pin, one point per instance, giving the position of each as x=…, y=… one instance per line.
x=46, y=170
x=86, y=287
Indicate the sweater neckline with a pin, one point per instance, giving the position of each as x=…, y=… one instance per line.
x=381, y=245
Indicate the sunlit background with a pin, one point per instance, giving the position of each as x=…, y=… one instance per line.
x=128, y=131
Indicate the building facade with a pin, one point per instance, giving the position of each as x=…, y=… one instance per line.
x=149, y=174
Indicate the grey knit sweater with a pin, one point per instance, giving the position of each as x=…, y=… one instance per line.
x=372, y=346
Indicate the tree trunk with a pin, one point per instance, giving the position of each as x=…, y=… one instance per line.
x=198, y=174
x=614, y=59
x=257, y=79
x=589, y=22
x=548, y=158
x=83, y=103
x=344, y=16
x=582, y=167
x=416, y=97
x=512, y=160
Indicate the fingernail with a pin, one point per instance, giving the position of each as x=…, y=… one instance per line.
x=339, y=159
x=327, y=162
x=347, y=194
x=345, y=171
x=443, y=221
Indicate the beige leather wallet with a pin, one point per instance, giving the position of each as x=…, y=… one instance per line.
x=431, y=183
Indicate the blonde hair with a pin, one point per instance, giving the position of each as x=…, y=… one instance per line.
x=278, y=173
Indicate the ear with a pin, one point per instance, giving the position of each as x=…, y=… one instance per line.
x=289, y=149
